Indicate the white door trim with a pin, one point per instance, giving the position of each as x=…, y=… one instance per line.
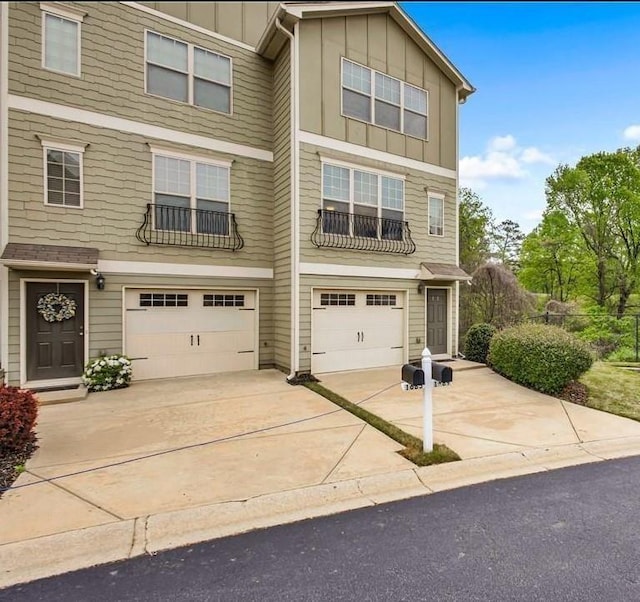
x=23, y=332
x=256, y=317
x=449, y=290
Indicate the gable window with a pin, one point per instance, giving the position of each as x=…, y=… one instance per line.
x=361, y=203
x=436, y=214
x=187, y=73
x=377, y=98
x=62, y=174
x=191, y=195
x=61, y=39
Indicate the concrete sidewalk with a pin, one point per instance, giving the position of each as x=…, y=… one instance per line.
x=169, y=463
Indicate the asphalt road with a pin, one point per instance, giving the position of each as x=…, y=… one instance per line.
x=572, y=534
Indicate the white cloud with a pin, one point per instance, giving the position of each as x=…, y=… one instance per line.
x=503, y=160
x=535, y=214
x=534, y=155
x=632, y=132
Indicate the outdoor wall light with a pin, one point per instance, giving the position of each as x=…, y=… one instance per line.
x=99, y=281
x=420, y=288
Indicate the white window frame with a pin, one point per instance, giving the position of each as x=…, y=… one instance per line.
x=70, y=14
x=193, y=199
x=63, y=147
x=190, y=73
x=434, y=196
x=353, y=167
x=372, y=100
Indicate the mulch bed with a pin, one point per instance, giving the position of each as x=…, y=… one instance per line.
x=8, y=463
x=575, y=392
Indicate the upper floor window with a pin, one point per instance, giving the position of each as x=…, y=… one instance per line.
x=61, y=39
x=377, y=98
x=191, y=195
x=63, y=174
x=187, y=73
x=436, y=214
x=362, y=203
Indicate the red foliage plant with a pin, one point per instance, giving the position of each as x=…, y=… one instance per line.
x=18, y=413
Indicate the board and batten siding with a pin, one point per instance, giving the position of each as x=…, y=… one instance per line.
x=242, y=21
x=113, y=73
x=105, y=309
x=282, y=208
x=117, y=184
x=378, y=42
x=439, y=249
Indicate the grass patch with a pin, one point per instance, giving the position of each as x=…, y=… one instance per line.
x=613, y=389
x=413, y=445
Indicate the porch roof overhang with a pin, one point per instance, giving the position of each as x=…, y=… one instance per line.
x=49, y=257
x=442, y=271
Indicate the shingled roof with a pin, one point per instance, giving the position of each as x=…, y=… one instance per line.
x=30, y=255
x=442, y=271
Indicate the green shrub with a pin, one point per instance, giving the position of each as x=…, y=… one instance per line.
x=622, y=354
x=539, y=356
x=476, y=345
x=107, y=372
x=18, y=413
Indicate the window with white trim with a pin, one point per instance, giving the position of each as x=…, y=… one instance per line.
x=60, y=40
x=362, y=203
x=190, y=195
x=377, y=98
x=436, y=214
x=187, y=73
x=62, y=174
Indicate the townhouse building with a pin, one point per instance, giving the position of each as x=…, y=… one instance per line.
x=212, y=187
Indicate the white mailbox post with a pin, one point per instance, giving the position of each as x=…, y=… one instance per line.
x=427, y=403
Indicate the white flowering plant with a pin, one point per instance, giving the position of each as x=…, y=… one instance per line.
x=107, y=372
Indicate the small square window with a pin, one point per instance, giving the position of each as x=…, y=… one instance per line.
x=60, y=44
x=63, y=177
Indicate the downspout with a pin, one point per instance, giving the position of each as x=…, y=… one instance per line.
x=295, y=230
x=456, y=324
x=4, y=184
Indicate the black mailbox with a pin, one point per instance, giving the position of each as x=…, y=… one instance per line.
x=441, y=373
x=412, y=375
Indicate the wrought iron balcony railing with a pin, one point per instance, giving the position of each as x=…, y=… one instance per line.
x=362, y=233
x=186, y=227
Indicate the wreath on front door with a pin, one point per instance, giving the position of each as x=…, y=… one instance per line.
x=56, y=307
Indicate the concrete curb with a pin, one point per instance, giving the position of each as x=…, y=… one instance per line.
x=72, y=550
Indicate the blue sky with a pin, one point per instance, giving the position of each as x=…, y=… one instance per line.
x=555, y=81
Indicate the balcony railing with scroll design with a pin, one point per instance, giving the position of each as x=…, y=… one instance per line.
x=186, y=227
x=362, y=233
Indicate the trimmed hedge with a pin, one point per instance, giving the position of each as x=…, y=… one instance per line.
x=541, y=357
x=476, y=345
x=18, y=412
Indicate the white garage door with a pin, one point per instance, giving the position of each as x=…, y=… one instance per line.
x=357, y=329
x=188, y=332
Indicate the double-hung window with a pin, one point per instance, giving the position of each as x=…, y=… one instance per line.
x=63, y=174
x=436, y=214
x=191, y=195
x=377, y=98
x=361, y=203
x=61, y=39
x=187, y=73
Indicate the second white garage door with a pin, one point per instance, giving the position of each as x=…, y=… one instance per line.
x=188, y=332
x=357, y=329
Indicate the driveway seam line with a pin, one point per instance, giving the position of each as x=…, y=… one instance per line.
x=342, y=457
x=74, y=494
x=570, y=421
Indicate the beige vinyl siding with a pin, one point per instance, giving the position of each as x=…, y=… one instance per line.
x=440, y=249
x=378, y=42
x=117, y=187
x=282, y=208
x=113, y=72
x=105, y=309
x=242, y=21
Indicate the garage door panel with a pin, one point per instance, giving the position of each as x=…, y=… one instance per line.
x=192, y=339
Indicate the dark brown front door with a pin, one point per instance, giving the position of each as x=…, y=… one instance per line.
x=437, y=320
x=54, y=349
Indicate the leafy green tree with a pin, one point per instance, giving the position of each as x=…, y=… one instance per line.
x=474, y=232
x=506, y=239
x=553, y=258
x=601, y=197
